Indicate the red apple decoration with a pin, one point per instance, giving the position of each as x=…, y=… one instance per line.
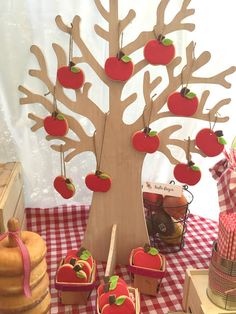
x=148, y=257
x=119, y=68
x=64, y=186
x=120, y=305
x=110, y=280
x=56, y=124
x=152, y=201
x=81, y=254
x=70, y=76
x=67, y=273
x=209, y=142
x=187, y=173
x=146, y=141
x=98, y=181
x=159, y=51
x=183, y=103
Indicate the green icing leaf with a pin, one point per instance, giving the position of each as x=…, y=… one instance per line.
x=85, y=255
x=113, y=285
x=167, y=42
x=60, y=116
x=190, y=95
x=81, y=274
x=221, y=140
x=104, y=176
x=152, y=133
x=75, y=69
x=70, y=186
x=120, y=300
x=126, y=59
x=153, y=251
x=113, y=278
x=195, y=168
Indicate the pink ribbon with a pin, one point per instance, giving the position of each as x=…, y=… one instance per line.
x=25, y=260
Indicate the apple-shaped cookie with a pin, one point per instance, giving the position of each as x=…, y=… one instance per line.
x=146, y=141
x=183, y=103
x=159, y=51
x=175, y=206
x=81, y=254
x=113, y=288
x=67, y=273
x=209, y=142
x=64, y=186
x=98, y=181
x=56, y=124
x=70, y=76
x=110, y=279
x=148, y=257
x=119, y=68
x=187, y=173
x=120, y=305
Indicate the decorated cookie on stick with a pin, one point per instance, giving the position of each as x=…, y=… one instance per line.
x=187, y=173
x=56, y=123
x=119, y=67
x=146, y=140
x=159, y=51
x=99, y=181
x=70, y=76
x=63, y=185
x=210, y=142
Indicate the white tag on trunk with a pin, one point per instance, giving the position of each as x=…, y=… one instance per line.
x=162, y=188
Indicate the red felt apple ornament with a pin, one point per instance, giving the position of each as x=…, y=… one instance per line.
x=56, y=124
x=148, y=257
x=81, y=254
x=187, y=173
x=120, y=305
x=98, y=181
x=159, y=51
x=64, y=186
x=209, y=142
x=119, y=68
x=183, y=103
x=146, y=141
x=69, y=273
x=70, y=76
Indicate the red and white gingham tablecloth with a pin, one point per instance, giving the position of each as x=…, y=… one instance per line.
x=63, y=228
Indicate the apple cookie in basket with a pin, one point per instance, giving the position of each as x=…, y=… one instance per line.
x=147, y=267
x=115, y=297
x=76, y=277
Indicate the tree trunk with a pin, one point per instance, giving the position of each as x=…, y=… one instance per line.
x=122, y=204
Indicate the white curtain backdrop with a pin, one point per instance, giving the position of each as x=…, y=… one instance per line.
x=27, y=22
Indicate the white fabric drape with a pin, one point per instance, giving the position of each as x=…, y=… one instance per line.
x=27, y=22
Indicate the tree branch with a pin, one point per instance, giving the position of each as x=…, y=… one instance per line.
x=129, y=100
x=128, y=19
x=101, y=32
x=102, y=10
x=38, y=122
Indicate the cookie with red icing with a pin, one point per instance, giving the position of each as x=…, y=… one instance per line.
x=120, y=305
x=64, y=186
x=147, y=257
x=70, y=274
x=56, y=124
x=81, y=254
x=70, y=76
x=108, y=280
x=112, y=288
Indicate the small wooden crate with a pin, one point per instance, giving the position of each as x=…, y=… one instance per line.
x=195, y=299
x=11, y=194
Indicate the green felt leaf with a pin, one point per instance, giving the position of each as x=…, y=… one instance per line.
x=85, y=255
x=195, y=168
x=113, y=278
x=113, y=285
x=152, y=133
x=104, y=176
x=190, y=95
x=70, y=186
x=221, y=140
x=126, y=59
x=80, y=274
x=167, y=42
x=60, y=116
x=120, y=300
x=153, y=251
x=75, y=69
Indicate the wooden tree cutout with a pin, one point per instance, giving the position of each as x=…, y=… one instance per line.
x=122, y=204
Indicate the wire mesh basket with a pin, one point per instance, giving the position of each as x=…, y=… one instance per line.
x=166, y=219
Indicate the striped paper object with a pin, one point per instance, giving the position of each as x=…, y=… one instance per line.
x=227, y=236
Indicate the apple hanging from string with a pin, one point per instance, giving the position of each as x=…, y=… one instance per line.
x=146, y=140
x=209, y=142
x=98, y=181
x=187, y=173
x=56, y=124
x=64, y=186
x=70, y=76
x=159, y=51
x=183, y=103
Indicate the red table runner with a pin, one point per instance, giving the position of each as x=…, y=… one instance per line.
x=63, y=228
